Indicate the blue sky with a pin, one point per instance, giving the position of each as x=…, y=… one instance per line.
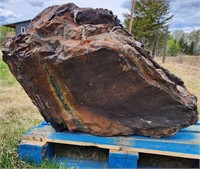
x=187, y=12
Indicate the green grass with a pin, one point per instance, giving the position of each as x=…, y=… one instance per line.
x=18, y=115
x=5, y=75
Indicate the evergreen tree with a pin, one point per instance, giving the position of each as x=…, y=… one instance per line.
x=150, y=17
x=191, y=48
x=186, y=48
x=181, y=44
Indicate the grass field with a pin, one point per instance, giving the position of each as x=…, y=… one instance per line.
x=188, y=69
x=18, y=114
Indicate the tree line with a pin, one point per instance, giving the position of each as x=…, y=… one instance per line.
x=185, y=43
x=151, y=17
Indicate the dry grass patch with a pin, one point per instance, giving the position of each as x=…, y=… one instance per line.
x=17, y=114
x=188, y=70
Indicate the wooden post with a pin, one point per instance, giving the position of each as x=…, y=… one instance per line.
x=165, y=44
x=143, y=42
x=155, y=44
x=1, y=36
x=131, y=16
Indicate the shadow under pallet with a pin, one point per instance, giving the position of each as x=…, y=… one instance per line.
x=122, y=151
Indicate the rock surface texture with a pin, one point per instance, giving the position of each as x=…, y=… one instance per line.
x=85, y=72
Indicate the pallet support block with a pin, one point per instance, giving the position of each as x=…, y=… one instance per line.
x=123, y=159
x=35, y=151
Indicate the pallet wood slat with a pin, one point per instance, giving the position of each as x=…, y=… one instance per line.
x=123, y=150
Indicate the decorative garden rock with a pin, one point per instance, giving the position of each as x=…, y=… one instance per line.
x=85, y=72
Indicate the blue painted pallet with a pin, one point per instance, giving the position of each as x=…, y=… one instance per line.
x=123, y=150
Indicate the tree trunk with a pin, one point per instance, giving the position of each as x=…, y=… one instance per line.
x=165, y=44
x=155, y=45
x=131, y=16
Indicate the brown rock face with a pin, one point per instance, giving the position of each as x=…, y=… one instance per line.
x=84, y=72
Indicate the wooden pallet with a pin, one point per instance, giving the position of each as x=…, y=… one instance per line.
x=123, y=151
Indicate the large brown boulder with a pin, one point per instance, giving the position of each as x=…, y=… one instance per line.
x=85, y=72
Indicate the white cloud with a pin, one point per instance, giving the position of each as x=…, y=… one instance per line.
x=36, y=3
x=187, y=12
x=7, y=13
x=7, y=16
x=187, y=29
x=4, y=0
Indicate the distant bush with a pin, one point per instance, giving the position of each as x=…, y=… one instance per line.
x=173, y=47
x=3, y=30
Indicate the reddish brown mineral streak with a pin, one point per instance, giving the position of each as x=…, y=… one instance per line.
x=84, y=72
